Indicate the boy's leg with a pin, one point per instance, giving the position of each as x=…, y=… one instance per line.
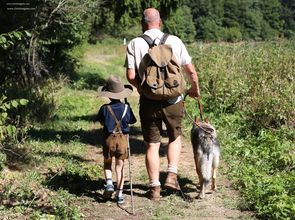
x=120, y=173
x=109, y=187
x=119, y=166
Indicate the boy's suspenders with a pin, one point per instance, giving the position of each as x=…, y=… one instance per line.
x=118, y=123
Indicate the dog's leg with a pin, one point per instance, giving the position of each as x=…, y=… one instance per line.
x=202, y=191
x=198, y=172
x=214, y=173
x=201, y=180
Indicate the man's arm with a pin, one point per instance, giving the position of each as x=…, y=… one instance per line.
x=191, y=72
x=131, y=77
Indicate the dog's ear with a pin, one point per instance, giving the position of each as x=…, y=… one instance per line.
x=197, y=121
x=207, y=120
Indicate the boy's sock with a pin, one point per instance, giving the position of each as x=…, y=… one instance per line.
x=109, y=181
x=119, y=192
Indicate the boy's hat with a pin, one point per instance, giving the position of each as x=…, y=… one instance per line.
x=115, y=89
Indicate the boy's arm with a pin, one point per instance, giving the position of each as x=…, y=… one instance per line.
x=100, y=117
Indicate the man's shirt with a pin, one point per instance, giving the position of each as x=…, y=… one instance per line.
x=138, y=47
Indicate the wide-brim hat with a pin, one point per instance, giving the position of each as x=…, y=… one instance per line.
x=115, y=89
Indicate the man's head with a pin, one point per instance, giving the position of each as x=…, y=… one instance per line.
x=151, y=19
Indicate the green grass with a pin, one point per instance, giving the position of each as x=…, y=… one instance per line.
x=246, y=93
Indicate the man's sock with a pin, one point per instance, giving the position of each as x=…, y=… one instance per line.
x=172, y=169
x=154, y=183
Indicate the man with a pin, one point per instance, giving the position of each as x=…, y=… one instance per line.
x=153, y=113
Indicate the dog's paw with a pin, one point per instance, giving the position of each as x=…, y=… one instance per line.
x=201, y=196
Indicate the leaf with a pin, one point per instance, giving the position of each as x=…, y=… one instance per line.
x=23, y=101
x=2, y=40
x=28, y=34
x=4, y=115
x=11, y=129
x=14, y=103
x=17, y=35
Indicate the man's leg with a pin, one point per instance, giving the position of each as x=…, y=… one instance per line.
x=173, y=156
x=152, y=161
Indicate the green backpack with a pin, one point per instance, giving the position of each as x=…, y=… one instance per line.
x=161, y=75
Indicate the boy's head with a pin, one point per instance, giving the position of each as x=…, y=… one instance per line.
x=115, y=89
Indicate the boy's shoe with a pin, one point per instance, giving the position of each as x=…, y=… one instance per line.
x=120, y=200
x=108, y=191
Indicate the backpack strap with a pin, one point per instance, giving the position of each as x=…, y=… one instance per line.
x=164, y=38
x=148, y=39
x=151, y=42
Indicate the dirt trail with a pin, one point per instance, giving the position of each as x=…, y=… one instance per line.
x=222, y=204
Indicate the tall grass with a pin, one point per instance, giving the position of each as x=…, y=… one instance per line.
x=248, y=92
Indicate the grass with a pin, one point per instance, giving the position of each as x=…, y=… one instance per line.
x=50, y=170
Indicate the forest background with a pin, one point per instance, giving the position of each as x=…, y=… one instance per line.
x=244, y=50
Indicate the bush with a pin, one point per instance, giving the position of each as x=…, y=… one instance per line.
x=255, y=78
x=181, y=24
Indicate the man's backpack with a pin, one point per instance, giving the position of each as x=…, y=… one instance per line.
x=161, y=76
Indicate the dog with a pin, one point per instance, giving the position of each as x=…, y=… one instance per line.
x=206, y=150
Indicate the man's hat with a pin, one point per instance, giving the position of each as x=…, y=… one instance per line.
x=115, y=89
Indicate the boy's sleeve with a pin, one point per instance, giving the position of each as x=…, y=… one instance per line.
x=100, y=116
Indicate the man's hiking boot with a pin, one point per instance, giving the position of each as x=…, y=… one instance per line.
x=171, y=182
x=108, y=191
x=154, y=193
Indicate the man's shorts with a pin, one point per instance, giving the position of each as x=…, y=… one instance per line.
x=115, y=145
x=154, y=113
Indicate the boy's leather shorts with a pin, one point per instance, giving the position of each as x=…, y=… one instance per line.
x=115, y=145
x=154, y=113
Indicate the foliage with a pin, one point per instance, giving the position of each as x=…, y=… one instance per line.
x=7, y=129
x=42, y=48
x=263, y=169
x=246, y=89
x=250, y=19
x=181, y=24
x=249, y=77
x=121, y=19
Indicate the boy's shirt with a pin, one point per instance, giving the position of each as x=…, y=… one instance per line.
x=106, y=119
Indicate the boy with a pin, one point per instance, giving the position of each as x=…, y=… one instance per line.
x=115, y=118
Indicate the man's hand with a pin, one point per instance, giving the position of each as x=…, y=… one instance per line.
x=194, y=92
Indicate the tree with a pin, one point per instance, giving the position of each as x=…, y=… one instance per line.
x=123, y=17
x=288, y=17
x=181, y=24
x=53, y=26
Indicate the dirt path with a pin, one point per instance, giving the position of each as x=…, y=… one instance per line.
x=223, y=204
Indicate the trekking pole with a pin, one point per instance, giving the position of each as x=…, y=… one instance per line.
x=130, y=176
x=131, y=189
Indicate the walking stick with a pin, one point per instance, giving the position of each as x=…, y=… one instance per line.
x=131, y=189
x=130, y=176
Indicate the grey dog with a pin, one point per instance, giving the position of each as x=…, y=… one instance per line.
x=206, y=150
